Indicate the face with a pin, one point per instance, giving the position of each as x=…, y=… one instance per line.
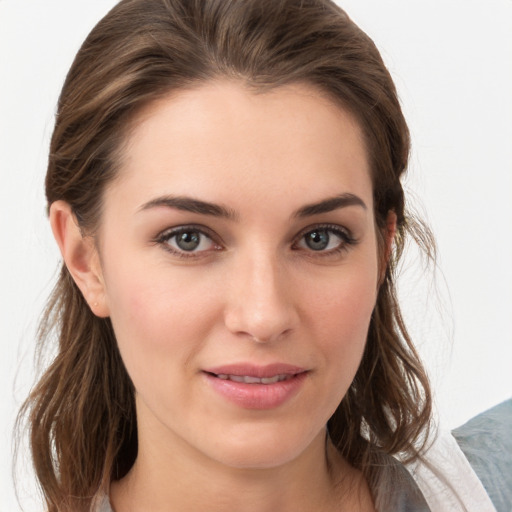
x=240, y=270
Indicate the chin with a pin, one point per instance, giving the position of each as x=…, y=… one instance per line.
x=260, y=447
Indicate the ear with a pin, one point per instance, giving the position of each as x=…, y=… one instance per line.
x=80, y=256
x=389, y=237
x=390, y=233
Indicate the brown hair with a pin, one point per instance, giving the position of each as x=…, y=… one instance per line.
x=81, y=413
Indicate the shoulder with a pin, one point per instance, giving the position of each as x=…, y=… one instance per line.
x=470, y=468
x=102, y=504
x=404, y=494
x=486, y=441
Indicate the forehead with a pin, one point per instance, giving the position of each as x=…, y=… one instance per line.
x=222, y=138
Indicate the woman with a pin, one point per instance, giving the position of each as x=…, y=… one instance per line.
x=224, y=187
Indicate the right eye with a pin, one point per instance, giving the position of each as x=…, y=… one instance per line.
x=187, y=241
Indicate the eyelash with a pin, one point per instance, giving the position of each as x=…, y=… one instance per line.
x=164, y=238
x=347, y=240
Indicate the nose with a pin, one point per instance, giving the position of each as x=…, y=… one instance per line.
x=260, y=306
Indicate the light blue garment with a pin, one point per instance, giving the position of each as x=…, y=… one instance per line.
x=486, y=441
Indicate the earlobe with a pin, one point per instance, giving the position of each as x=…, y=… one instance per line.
x=80, y=256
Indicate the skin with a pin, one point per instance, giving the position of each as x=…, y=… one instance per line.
x=252, y=291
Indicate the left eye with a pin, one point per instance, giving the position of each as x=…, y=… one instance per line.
x=188, y=240
x=323, y=239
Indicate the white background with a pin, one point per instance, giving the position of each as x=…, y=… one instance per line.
x=452, y=62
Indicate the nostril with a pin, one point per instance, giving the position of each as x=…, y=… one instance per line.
x=260, y=307
x=269, y=338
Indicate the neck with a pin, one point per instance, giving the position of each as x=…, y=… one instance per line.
x=318, y=479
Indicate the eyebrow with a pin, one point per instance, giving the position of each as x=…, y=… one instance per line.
x=189, y=204
x=330, y=204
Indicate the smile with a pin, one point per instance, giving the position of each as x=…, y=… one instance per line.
x=249, y=379
x=256, y=387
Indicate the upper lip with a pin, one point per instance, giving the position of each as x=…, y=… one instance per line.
x=252, y=370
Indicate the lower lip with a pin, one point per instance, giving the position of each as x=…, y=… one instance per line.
x=257, y=396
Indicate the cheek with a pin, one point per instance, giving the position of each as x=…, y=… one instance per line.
x=340, y=315
x=345, y=301
x=155, y=315
x=348, y=332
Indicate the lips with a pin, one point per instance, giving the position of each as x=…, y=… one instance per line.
x=256, y=387
x=248, y=379
x=251, y=370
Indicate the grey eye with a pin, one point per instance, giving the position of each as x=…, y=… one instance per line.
x=324, y=239
x=317, y=240
x=188, y=241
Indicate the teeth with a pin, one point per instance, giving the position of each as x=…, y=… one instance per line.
x=248, y=379
x=270, y=380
